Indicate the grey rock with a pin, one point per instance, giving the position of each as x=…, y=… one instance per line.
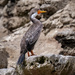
x=61, y=19
x=49, y=8
x=14, y=22
x=8, y=71
x=3, y=57
x=48, y=64
x=44, y=64
x=3, y=2
x=15, y=18
x=22, y=8
x=63, y=22
x=3, y=31
x=66, y=37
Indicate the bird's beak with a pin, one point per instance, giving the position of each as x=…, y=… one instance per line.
x=39, y=11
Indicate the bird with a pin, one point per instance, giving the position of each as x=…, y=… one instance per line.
x=31, y=36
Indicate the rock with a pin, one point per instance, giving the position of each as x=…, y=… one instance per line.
x=14, y=22
x=67, y=39
x=49, y=8
x=15, y=18
x=63, y=24
x=3, y=57
x=8, y=71
x=3, y=2
x=1, y=11
x=44, y=64
x=45, y=44
x=3, y=31
x=12, y=44
x=48, y=64
x=21, y=9
x=63, y=18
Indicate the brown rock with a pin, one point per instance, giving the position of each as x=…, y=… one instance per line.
x=3, y=2
x=61, y=19
x=66, y=37
x=14, y=22
x=3, y=31
x=48, y=65
x=45, y=44
x=16, y=16
x=3, y=57
x=22, y=8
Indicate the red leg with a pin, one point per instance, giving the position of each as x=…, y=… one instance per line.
x=32, y=53
x=28, y=54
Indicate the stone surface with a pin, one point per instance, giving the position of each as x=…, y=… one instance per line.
x=45, y=44
x=63, y=18
x=48, y=65
x=14, y=22
x=63, y=23
x=3, y=57
x=57, y=37
x=22, y=7
x=58, y=22
x=3, y=2
x=67, y=39
x=3, y=30
x=44, y=64
x=8, y=71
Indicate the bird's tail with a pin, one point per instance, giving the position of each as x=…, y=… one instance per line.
x=21, y=59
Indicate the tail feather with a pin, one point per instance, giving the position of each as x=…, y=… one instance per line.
x=21, y=59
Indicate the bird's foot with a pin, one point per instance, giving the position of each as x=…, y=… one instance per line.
x=32, y=54
x=28, y=54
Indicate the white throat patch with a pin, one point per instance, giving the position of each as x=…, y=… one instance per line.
x=34, y=15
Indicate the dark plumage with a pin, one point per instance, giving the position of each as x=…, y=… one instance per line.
x=31, y=36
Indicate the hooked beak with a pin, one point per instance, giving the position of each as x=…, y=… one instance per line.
x=39, y=11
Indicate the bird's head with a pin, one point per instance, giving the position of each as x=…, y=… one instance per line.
x=35, y=11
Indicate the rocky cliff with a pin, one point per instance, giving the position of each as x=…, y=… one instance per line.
x=57, y=36
x=44, y=65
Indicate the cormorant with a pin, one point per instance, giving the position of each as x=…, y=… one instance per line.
x=31, y=36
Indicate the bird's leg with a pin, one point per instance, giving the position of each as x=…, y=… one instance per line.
x=32, y=53
x=28, y=54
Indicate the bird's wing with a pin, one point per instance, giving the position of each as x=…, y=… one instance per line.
x=34, y=35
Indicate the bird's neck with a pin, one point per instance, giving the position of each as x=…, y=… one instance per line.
x=33, y=18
